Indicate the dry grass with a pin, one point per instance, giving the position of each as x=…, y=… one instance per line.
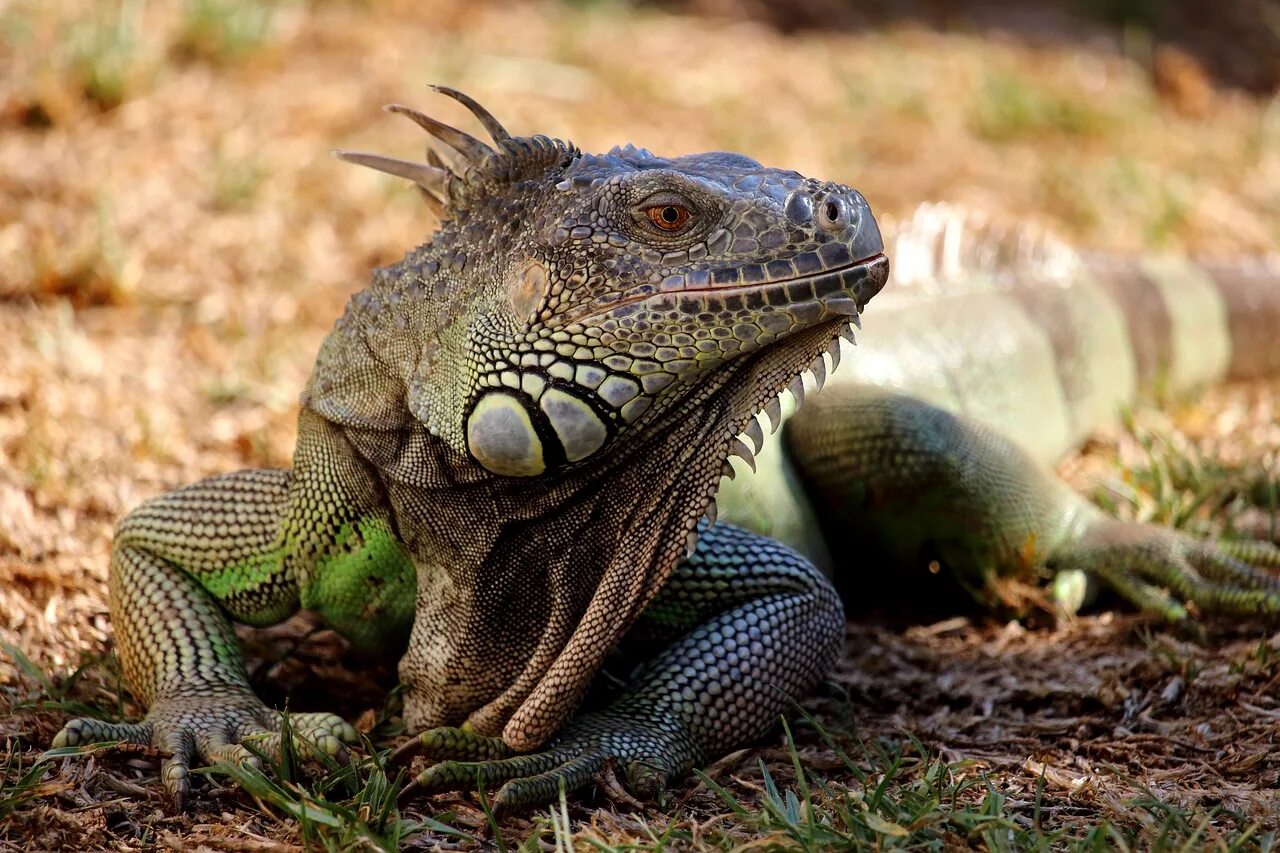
x=175, y=241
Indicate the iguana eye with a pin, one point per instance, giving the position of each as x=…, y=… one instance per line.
x=669, y=217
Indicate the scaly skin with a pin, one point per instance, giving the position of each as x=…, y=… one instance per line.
x=518, y=428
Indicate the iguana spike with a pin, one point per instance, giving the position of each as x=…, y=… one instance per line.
x=430, y=178
x=755, y=433
x=773, y=409
x=741, y=449
x=819, y=371
x=833, y=350
x=491, y=124
x=849, y=335
x=796, y=387
x=472, y=149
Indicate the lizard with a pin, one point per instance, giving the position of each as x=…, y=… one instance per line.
x=512, y=445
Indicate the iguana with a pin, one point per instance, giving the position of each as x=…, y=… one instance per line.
x=510, y=446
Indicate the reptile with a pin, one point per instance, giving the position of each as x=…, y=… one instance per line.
x=512, y=448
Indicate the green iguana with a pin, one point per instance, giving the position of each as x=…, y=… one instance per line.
x=509, y=450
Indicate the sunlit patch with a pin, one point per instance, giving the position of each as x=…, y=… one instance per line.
x=1030, y=551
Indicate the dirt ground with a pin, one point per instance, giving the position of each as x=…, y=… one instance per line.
x=175, y=240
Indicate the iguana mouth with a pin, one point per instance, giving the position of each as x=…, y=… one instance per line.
x=843, y=290
x=854, y=280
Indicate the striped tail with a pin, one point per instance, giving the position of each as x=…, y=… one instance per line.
x=1193, y=322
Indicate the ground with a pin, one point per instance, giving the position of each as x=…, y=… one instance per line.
x=175, y=241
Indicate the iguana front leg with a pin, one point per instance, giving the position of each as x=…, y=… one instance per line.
x=183, y=565
x=923, y=486
x=254, y=547
x=752, y=626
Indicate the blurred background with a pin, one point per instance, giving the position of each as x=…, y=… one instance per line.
x=175, y=239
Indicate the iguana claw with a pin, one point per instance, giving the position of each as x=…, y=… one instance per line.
x=212, y=729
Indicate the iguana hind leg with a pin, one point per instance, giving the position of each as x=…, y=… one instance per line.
x=922, y=485
x=751, y=626
x=182, y=565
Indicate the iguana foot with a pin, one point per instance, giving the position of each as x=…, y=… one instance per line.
x=649, y=752
x=1164, y=572
x=213, y=729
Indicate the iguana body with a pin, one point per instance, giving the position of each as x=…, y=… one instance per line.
x=509, y=440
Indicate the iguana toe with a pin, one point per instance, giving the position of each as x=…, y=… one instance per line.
x=545, y=787
x=1164, y=572
x=461, y=775
x=448, y=742
x=315, y=732
x=85, y=730
x=1256, y=552
x=175, y=771
x=650, y=753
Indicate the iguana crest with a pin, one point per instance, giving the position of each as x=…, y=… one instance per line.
x=469, y=170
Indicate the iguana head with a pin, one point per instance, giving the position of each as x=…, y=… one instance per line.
x=553, y=384
x=594, y=293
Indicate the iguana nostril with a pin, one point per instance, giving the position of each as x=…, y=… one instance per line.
x=834, y=214
x=799, y=208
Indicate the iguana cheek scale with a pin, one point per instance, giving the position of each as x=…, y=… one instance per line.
x=510, y=448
